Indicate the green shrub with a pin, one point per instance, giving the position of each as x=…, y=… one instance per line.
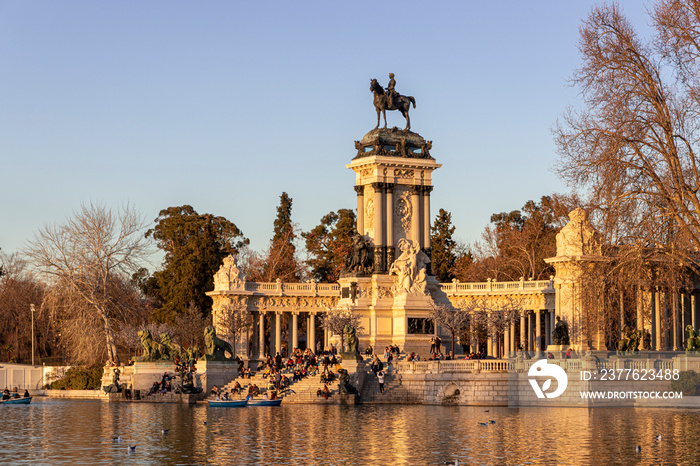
x=688, y=383
x=80, y=378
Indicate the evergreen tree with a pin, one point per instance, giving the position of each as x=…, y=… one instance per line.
x=194, y=245
x=281, y=260
x=443, y=246
x=329, y=244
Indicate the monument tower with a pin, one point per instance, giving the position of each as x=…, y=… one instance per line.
x=388, y=279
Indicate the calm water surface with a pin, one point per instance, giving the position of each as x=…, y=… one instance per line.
x=81, y=432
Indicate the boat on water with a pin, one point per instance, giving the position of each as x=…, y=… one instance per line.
x=276, y=402
x=17, y=401
x=227, y=403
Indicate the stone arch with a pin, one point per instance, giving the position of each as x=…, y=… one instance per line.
x=450, y=393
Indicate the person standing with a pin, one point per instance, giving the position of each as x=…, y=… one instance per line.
x=380, y=378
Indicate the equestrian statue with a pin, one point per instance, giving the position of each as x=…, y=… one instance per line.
x=391, y=100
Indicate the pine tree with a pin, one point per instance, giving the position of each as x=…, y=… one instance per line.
x=443, y=246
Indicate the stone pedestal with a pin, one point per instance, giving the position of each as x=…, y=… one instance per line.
x=219, y=373
x=145, y=373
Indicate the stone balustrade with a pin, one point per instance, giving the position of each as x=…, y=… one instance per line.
x=293, y=289
x=477, y=366
x=457, y=288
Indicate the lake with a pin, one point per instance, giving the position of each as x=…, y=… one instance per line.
x=55, y=431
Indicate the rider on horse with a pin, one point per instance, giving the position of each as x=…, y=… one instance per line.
x=391, y=92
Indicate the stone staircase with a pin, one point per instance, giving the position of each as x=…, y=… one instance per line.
x=304, y=390
x=301, y=391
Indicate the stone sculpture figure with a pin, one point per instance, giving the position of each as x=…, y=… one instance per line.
x=361, y=259
x=229, y=276
x=578, y=237
x=216, y=348
x=173, y=349
x=560, y=334
x=410, y=269
x=350, y=337
x=152, y=350
x=395, y=101
x=344, y=385
x=693, y=342
x=114, y=387
x=187, y=385
x=629, y=342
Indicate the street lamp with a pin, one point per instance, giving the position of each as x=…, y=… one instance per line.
x=31, y=306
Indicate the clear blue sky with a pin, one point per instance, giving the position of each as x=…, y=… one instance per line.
x=223, y=105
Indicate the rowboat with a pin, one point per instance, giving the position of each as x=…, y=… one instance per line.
x=277, y=402
x=227, y=403
x=17, y=401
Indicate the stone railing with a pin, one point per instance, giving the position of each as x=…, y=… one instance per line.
x=457, y=288
x=464, y=365
x=519, y=365
x=294, y=289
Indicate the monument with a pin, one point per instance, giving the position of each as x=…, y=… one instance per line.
x=388, y=280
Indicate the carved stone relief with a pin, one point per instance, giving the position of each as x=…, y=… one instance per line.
x=400, y=173
x=403, y=210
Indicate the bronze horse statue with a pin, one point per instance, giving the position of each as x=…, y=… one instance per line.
x=383, y=102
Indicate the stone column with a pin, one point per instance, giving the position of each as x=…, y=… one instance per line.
x=295, y=332
x=657, y=319
x=415, y=215
x=278, y=333
x=312, y=332
x=506, y=342
x=622, y=313
x=522, y=331
x=261, y=335
x=538, y=331
x=547, y=330
x=390, y=249
x=489, y=343
x=640, y=310
x=675, y=318
x=426, y=217
x=653, y=304
x=360, y=190
x=552, y=324
x=666, y=321
x=684, y=316
x=379, y=216
x=512, y=337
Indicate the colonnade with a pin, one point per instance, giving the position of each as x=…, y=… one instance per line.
x=275, y=331
x=670, y=312
x=531, y=332
x=383, y=221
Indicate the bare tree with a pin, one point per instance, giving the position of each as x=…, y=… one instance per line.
x=453, y=320
x=335, y=320
x=86, y=257
x=234, y=320
x=632, y=146
x=18, y=290
x=491, y=317
x=189, y=327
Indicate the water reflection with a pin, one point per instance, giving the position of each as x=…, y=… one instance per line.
x=60, y=431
